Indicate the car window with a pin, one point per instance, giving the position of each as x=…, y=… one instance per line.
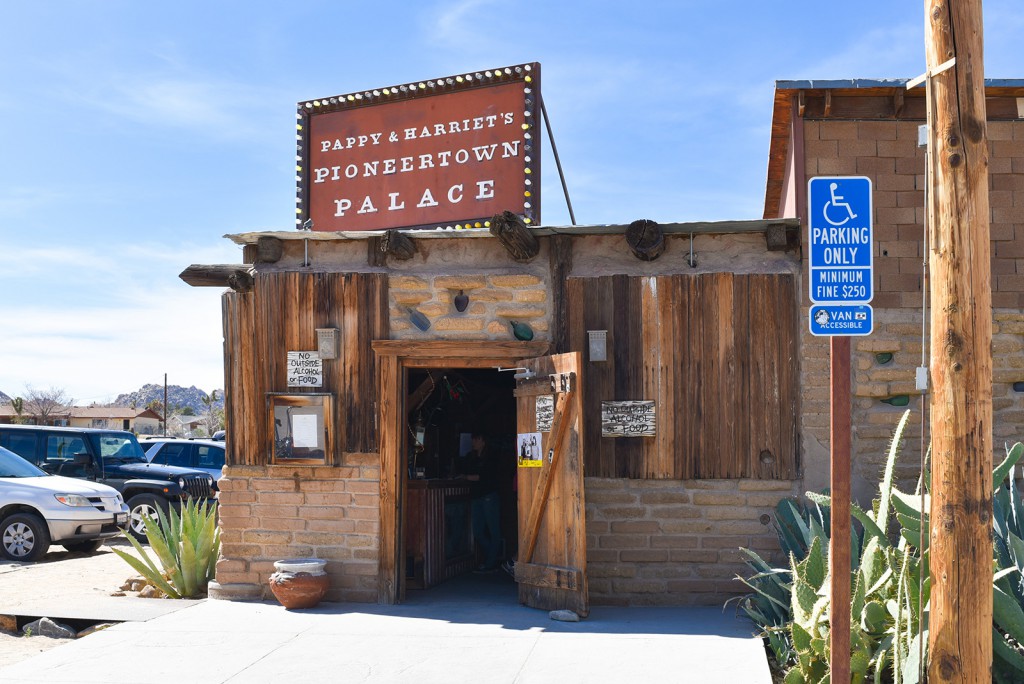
x=118, y=447
x=23, y=444
x=209, y=456
x=62, y=448
x=173, y=455
x=12, y=465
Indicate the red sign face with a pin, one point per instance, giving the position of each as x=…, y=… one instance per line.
x=447, y=153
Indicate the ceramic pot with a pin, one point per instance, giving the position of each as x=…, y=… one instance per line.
x=299, y=582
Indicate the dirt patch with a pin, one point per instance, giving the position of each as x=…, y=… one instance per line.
x=15, y=648
x=61, y=577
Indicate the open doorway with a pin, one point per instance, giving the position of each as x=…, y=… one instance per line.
x=550, y=567
x=460, y=470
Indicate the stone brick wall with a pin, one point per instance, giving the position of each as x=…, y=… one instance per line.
x=494, y=300
x=887, y=152
x=268, y=513
x=676, y=542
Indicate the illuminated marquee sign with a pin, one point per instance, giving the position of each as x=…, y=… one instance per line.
x=447, y=153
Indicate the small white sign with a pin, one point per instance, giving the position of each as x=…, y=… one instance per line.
x=627, y=419
x=545, y=412
x=305, y=369
x=305, y=431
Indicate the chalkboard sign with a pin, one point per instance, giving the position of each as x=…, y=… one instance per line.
x=627, y=419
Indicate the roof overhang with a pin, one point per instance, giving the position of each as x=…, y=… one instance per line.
x=861, y=99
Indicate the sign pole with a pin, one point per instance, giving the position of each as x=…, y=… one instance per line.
x=841, y=283
x=839, y=540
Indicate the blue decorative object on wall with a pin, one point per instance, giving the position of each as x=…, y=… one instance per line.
x=522, y=331
x=419, y=320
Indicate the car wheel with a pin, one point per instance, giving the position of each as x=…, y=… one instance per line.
x=138, y=506
x=24, y=537
x=83, y=546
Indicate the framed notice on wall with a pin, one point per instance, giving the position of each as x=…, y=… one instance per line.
x=627, y=419
x=300, y=428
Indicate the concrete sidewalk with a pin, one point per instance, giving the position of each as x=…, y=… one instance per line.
x=422, y=642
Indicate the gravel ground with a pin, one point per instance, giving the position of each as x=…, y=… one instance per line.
x=60, y=574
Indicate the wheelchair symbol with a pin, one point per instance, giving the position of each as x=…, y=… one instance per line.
x=837, y=201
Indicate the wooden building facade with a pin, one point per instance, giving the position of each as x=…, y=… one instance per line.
x=631, y=520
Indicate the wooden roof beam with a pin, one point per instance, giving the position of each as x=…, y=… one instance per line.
x=236, y=276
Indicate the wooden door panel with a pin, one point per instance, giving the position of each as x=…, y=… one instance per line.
x=551, y=567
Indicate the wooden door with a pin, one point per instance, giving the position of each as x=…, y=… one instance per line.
x=551, y=567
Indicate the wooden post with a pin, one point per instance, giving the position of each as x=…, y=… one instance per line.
x=269, y=249
x=517, y=237
x=560, y=266
x=839, y=542
x=646, y=240
x=236, y=276
x=397, y=245
x=960, y=629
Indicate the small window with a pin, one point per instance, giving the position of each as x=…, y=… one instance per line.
x=174, y=455
x=62, y=448
x=209, y=456
x=23, y=444
x=299, y=428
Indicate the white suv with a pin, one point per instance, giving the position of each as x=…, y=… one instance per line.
x=37, y=509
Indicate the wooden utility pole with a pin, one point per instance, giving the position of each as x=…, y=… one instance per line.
x=960, y=629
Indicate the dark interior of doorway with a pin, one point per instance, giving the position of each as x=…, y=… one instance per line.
x=444, y=407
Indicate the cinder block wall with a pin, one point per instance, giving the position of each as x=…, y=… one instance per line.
x=494, y=300
x=268, y=513
x=676, y=542
x=887, y=152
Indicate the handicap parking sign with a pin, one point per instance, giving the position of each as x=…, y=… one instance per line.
x=834, y=320
x=840, y=240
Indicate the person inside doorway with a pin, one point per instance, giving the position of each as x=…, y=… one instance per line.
x=483, y=471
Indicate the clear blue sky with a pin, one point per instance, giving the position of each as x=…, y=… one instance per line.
x=133, y=136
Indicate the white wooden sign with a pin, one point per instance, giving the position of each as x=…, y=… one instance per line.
x=305, y=369
x=627, y=419
x=545, y=412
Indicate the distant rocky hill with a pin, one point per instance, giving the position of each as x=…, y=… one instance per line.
x=4, y=398
x=178, y=397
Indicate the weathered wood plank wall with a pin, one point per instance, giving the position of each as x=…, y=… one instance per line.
x=290, y=306
x=715, y=351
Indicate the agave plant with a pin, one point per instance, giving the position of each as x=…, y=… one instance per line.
x=886, y=602
x=187, y=547
x=1008, y=600
x=891, y=585
x=798, y=525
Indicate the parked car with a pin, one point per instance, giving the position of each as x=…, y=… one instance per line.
x=219, y=436
x=38, y=509
x=198, y=454
x=111, y=457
